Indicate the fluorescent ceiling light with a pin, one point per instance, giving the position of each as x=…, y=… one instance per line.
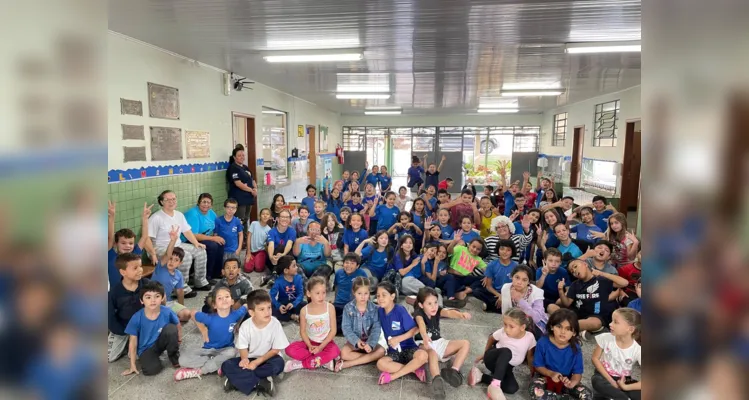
x=313, y=57
x=532, y=85
x=358, y=96
x=276, y=112
x=313, y=43
x=497, y=102
x=604, y=47
x=359, y=88
x=526, y=93
x=498, y=110
x=382, y=112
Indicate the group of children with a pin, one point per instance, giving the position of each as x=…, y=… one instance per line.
x=551, y=289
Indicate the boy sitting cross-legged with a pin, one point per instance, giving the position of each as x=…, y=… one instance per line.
x=261, y=338
x=124, y=302
x=287, y=294
x=153, y=329
x=171, y=278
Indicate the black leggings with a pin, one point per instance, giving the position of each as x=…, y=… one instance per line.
x=497, y=360
x=602, y=389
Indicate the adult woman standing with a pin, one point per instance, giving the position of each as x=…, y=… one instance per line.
x=159, y=226
x=242, y=186
x=202, y=220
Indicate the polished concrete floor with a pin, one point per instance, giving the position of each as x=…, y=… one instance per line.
x=355, y=383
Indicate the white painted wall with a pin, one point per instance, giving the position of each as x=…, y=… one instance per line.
x=203, y=106
x=442, y=120
x=583, y=113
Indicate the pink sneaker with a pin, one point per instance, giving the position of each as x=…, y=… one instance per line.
x=494, y=391
x=384, y=378
x=421, y=374
x=474, y=376
x=186, y=373
x=292, y=365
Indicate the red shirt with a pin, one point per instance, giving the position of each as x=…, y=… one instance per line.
x=442, y=185
x=630, y=273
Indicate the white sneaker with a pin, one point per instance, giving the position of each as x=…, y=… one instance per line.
x=474, y=376
x=292, y=365
x=186, y=373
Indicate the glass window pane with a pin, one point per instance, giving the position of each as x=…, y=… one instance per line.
x=422, y=144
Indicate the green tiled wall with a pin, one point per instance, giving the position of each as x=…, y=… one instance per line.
x=130, y=196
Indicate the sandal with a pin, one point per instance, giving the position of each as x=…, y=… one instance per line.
x=421, y=374
x=338, y=366
x=384, y=378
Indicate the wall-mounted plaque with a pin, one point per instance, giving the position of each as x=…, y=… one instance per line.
x=166, y=143
x=131, y=107
x=133, y=132
x=198, y=144
x=163, y=101
x=134, y=153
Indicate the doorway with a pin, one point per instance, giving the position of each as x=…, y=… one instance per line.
x=576, y=166
x=631, y=168
x=311, y=155
x=244, y=134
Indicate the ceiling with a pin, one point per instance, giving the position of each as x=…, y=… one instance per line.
x=434, y=56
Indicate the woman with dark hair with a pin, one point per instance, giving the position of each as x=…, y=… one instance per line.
x=202, y=220
x=242, y=186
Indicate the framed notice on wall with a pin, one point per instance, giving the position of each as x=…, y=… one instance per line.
x=300, y=131
x=323, y=139
x=198, y=144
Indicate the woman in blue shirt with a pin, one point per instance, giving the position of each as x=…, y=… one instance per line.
x=312, y=252
x=202, y=220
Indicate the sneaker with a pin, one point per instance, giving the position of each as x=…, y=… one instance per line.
x=474, y=376
x=410, y=300
x=421, y=374
x=451, y=376
x=186, y=373
x=494, y=391
x=203, y=288
x=266, y=387
x=292, y=365
x=338, y=365
x=228, y=387
x=330, y=365
x=219, y=373
x=191, y=295
x=294, y=317
x=438, y=388
x=586, y=336
x=483, y=306
x=265, y=280
x=454, y=303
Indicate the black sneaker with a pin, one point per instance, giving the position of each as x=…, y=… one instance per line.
x=451, y=376
x=438, y=388
x=228, y=387
x=267, y=280
x=266, y=387
x=191, y=295
x=454, y=303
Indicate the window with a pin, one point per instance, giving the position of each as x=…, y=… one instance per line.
x=559, y=130
x=604, y=132
x=354, y=139
x=525, y=143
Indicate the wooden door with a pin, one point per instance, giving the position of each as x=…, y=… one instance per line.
x=252, y=160
x=312, y=155
x=631, y=168
x=576, y=166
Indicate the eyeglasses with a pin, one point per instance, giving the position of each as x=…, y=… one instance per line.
x=171, y=199
x=206, y=202
x=315, y=230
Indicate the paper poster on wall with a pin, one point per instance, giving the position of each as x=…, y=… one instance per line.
x=131, y=107
x=134, y=153
x=166, y=143
x=133, y=132
x=198, y=144
x=323, y=139
x=300, y=131
x=163, y=101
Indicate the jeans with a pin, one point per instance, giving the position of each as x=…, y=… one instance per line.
x=287, y=317
x=245, y=380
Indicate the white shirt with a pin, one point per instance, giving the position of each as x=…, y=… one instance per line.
x=159, y=225
x=257, y=341
x=615, y=360
x=519, y=347
x=401, y=203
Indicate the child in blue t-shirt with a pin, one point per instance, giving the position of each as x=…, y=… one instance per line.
x=355, y=204
x=343, y=283
x=287, y=293
x=498, y=273
x=309, y=201
x=386, y=181
x=386, y=214
x=566, y=246
x=443, y=221
x=403, y=355
x=169, y=276
x=217, y=329
x=548, y=277
x=229, y=228
x=405, y=227
x=407, y=264
x=374, y=176
x=466, y=233
x=354, y=234
x=153, y=329
x=375, y=253
x=123, y=241
x=587, y=230
x=334, y=201
x=414, y=174
x=558, y=360
x=371, y=201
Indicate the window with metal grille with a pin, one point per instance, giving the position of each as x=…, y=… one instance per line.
x=525, y=143
x=605, y=130
x=354, y=139
x=559, y=130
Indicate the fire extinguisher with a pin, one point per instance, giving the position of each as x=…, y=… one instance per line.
x=339, y=153
x=267, y=179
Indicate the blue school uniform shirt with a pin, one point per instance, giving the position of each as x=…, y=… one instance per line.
x=386, y=216
x=280, y=239
x=636, y=305
x=584, y=232
x=374, y=179
x=414, y=174
x=564, y=361
x=418, y=220
x=344, y=283
x=448, y=233
x=169, y=281
x=468, y=236
x=309, y=202
x=399, y=264
x=229, y=231
x=148, y=331
x=284, y=292
x=550, y=288
x=354, y=239
x=433, y=203
x=311, y=256
x=401, y=231
x=509, y=202
x=602, y=219
x=442, y=266
x=385, y=182
x=355, y=208
x=114, y=274
x=396, y=323
x=334, y=206
x=220, y=329
x=499, y=273
x=375, y=261
x=373, y=199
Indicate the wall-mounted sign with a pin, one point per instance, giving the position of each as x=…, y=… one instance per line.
x=300, y=131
